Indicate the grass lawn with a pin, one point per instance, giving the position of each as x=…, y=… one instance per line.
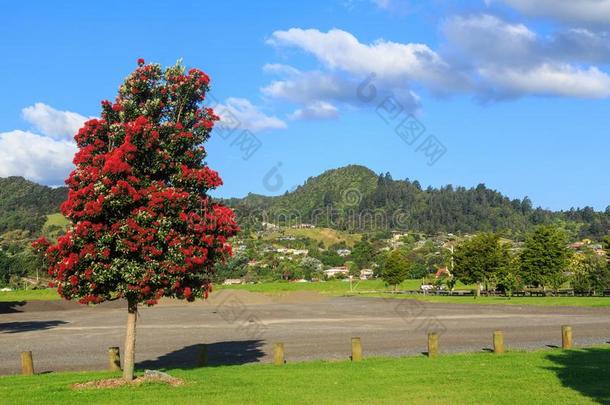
x=541, y=301
x=29, y=295
x=553, y=377
x=340, y=288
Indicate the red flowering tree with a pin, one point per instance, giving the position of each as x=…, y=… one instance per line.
x=143, y=226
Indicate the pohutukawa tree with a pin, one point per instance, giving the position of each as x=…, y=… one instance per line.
x=143, y=226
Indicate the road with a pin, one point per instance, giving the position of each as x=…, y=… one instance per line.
x=241, y=327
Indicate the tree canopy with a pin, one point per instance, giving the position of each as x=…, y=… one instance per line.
x=544, y=257
x=480, y=259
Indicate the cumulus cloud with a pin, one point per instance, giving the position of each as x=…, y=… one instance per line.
x=312, y=89
x=51, y=122
x=44, y=156
x=346, y=62
x=36, y=157
x=394, y=62
x=510, y=60
x=241, y=112
x=487, y=39
x=316, y=110
x=585, y=12
x=549, y=80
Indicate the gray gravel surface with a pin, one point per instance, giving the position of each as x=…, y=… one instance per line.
x=239, y=329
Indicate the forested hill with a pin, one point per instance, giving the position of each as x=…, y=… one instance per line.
x=354, y=197
x=24, y=204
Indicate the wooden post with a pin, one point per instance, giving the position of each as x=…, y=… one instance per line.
x=27, y=364
x=278, y=354
x=203, y=355
x=432, y=344
x=114, y=359
x=498, y=342
x=566, y=337
x=356, y=349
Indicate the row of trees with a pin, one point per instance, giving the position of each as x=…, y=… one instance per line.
x=545, y=261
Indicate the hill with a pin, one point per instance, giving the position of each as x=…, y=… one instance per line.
x=24, y=205
x=352, y=198
x=355, y=198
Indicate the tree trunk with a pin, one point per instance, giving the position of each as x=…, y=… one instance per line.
x=130, y=340
x=478, y=292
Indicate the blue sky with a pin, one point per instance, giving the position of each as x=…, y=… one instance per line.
x=514, y=92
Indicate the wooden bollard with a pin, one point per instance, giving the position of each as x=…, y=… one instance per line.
x=566, y=337
x=278, y=354
x=432, y=344
x=114, y=359
x=27, y=364
x=498, y=342
x=202, y=360
x=356, y=349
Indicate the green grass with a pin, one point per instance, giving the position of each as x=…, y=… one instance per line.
x=596, y=302
x=57, y=219
x=553, y=377
x=333, y=287
x=29, y=295
x=341, y=288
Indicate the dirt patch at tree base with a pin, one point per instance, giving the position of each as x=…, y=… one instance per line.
x=120, y=382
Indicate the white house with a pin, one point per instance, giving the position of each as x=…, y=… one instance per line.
x=366, y=274
x=335, y=271
x=344, y=252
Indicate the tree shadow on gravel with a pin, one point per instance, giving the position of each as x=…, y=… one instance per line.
x=218, y=354
x=28, y=326
x=586, y=371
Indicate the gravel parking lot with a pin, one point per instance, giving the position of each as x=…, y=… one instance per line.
x=241, y=327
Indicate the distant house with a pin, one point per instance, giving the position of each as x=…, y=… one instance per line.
x=233, y=281
x=366, y=274
x=303, y=226
x=335, y=271
x=344, y=252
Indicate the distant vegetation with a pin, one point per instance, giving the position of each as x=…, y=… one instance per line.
x=24, y=205
x=351, y=208
x=355, y=198
x=27, y=210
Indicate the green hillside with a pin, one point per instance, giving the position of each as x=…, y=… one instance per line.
x=24, y=205
x=354, y=198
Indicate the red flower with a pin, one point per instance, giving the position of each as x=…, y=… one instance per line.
x=140, y=61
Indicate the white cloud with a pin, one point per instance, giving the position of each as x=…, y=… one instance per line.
x=305, y=87
x=36, y=157
x=53, y=123
x=316, y=110
x=241, y=112
x=509, y=60
x=316, y=88
x=551, y=80
x=391, y=61
x=486, y=38
x=572, y=11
